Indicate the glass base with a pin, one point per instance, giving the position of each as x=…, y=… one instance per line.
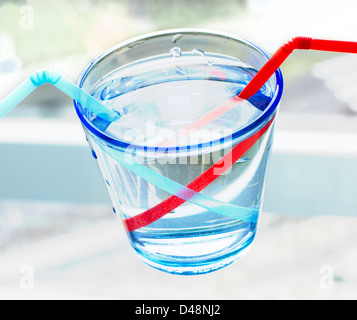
x=203, y=265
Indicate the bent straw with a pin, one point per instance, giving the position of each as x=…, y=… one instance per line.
x=48, y=76
x=252, y=88
x=56, y=79
x=268, y=70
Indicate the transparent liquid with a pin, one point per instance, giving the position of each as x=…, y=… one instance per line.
x=156, y=98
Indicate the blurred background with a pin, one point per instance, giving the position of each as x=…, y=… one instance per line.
x=59, y=237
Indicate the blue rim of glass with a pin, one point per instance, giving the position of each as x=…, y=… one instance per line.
x=270, y=109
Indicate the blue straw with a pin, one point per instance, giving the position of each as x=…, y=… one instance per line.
x=53, y=77
x=174, y=188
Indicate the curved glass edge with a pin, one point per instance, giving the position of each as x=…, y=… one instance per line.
x=250, y=128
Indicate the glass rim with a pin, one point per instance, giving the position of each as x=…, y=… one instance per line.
x=269, y=110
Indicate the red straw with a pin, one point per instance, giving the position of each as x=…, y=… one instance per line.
x=155, y=213
x=268, y=70
x=240, y=149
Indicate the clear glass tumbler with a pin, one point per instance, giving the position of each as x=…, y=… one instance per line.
x=185, y=164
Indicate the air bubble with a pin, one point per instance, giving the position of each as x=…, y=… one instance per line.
x=125, y=109
x=181, y=71
x=176, y=38
x=198, y=52
x=176, y=52
x=243, y=160
x=136, y=43
x=91, y=116
x=105, y=92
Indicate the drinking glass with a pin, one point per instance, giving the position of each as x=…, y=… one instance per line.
x=189, y=192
